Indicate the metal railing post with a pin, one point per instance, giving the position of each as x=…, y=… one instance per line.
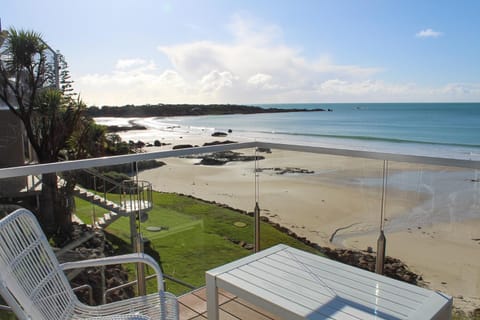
x=256, y=211
x=382, y=241
x=137, y=240
x=94, y=213
x=104, y=190
x=381, y=248
x=142, y=288
x=256, y=214
x=103, y=286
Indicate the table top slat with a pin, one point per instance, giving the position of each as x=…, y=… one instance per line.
x=258, y=293
x=351, y=280
x=315, y=287
x=359, y=274
x=324, y=302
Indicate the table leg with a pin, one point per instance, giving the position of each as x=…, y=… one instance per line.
x=212, y=297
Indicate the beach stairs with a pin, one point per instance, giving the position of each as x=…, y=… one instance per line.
x=133, y=197
x=115, y=210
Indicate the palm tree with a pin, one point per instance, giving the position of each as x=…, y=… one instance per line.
x=28, y=86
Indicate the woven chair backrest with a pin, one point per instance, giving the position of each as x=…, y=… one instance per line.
x=31, y=280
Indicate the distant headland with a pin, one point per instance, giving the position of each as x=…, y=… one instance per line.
x=174, y=110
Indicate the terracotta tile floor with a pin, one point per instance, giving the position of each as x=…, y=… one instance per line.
x=194, y=306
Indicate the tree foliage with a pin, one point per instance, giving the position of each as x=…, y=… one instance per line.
x=35, y=85
x=28, y=80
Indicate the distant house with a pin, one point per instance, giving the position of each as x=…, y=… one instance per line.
x=15, y=151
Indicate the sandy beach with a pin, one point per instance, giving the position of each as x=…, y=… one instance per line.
x=342, y=197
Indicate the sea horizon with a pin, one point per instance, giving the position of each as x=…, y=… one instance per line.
x=446, y=130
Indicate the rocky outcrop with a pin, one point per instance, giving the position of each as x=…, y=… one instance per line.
x=223, y=157
x=125, y=128
x=214, y=143
x=219, y=134
x=287, y=170
x=393, y=268
x=212, y=161
x=243, y=244
x=96, y=247
x=115, y=275
x=264, y=150
x=182, y=146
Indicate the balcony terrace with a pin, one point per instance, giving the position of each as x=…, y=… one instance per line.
x=193, y=306
x=428, y=208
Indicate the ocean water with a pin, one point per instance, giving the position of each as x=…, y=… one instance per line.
x=450, y=130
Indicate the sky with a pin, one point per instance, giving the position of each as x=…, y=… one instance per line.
x=256, y=52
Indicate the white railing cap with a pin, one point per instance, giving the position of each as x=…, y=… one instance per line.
x=114, y=160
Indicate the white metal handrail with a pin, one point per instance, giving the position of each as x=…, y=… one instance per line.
x=107, y=161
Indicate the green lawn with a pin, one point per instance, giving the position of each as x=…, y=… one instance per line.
x=196, y=236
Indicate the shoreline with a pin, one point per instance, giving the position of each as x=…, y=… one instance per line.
x=177, y=128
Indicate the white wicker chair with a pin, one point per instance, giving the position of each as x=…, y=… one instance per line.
x=34, y=285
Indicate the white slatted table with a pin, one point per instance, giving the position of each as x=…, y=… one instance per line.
x=298, y=285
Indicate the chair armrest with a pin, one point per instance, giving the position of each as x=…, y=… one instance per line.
x=125, y=258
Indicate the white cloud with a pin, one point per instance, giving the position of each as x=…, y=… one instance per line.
x=126, y=87
x=380, y=91
x=461, y=89
x=428, y=33
x=255, y=66
x=215, y=81
x=262, y=81
x=362, y=88
x=258, y=61
x=248, y=30
x=172, y=78
x=129, y=63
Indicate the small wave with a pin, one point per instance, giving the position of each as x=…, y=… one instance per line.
x=371, y=138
